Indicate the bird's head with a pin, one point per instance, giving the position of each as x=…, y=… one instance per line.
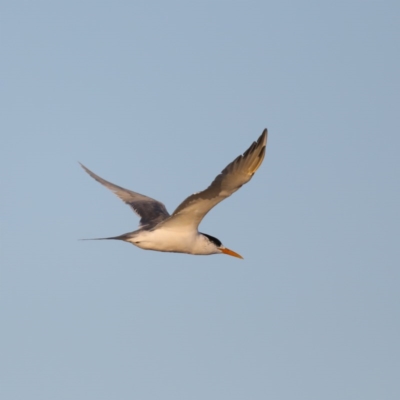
x=219, y=247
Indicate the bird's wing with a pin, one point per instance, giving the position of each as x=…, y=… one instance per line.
x=192, y=210
x=151, y=211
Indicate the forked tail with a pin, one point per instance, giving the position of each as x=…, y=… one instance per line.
x=123, y=237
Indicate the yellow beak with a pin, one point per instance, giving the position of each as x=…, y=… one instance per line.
x=230, y=252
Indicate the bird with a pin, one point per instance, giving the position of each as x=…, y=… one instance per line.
x=178, y=232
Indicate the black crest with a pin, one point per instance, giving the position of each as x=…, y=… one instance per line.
x=212, y=239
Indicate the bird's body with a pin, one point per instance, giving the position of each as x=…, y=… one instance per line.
x=178, y=232
x=170, y=240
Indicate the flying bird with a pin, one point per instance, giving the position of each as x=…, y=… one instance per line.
x=178, y=233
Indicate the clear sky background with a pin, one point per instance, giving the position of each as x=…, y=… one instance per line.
x=159, y=97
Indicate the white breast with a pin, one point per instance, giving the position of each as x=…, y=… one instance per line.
x=171, y=240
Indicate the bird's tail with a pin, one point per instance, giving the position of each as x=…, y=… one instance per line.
x=123, y=237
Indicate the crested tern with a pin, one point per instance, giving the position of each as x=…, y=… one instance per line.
x=178, y=233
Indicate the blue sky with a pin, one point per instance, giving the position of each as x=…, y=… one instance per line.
x=159, y=97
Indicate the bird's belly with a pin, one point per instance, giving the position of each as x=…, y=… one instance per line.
x=165, y=240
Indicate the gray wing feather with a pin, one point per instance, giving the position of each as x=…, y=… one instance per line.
x=151, y=211
x=193, y=209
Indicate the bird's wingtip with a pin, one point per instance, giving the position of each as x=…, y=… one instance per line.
x=264, y=136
